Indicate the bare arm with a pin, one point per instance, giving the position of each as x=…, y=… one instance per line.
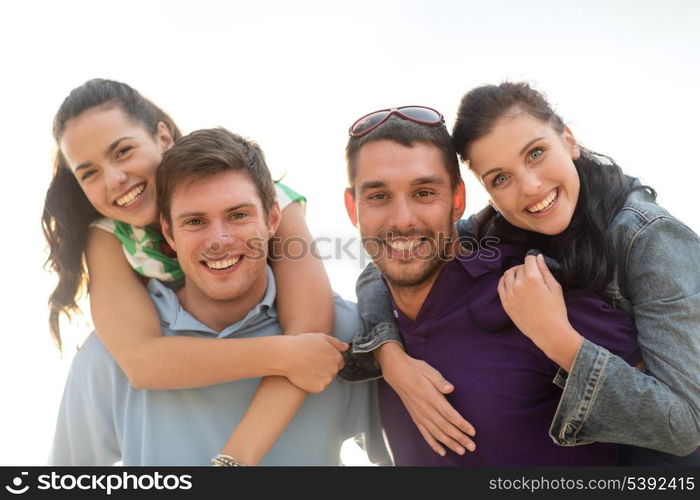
x=127, y=323
x=304, y=295
x=305, y=304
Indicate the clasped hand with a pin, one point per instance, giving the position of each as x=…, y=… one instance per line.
x=312, y=360
x=534, y=301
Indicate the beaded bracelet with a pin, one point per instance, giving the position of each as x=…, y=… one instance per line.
x=226, y=461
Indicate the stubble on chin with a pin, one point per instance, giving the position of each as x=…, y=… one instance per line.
x=420, y=269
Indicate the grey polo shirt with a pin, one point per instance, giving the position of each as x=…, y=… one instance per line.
x=103, y=420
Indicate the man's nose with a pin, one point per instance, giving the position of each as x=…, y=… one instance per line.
x=404, y=214
x=218, y=238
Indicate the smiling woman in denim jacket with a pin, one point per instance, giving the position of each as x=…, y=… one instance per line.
x=607, y=235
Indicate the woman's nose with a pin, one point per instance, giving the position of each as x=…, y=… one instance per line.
x=530, y=183
x=116, y=177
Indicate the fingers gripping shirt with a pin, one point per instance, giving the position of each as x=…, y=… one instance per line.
x=150, y=255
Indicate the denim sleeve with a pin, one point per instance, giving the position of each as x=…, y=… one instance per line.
x=605, y=399
x=378, y=327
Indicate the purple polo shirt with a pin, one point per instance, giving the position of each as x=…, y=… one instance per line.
x=503, y=382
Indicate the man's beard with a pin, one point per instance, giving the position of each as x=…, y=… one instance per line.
x=397, y=279
x=430, y=264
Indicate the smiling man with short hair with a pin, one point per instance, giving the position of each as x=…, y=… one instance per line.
x=405, y=195
x=218, y=211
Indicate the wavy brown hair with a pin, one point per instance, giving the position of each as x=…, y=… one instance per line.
x=67, y=212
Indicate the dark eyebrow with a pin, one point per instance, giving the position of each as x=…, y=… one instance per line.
x=248, y=204
x=522, y=151
x=195, y=213
x=114, y=145
x=371, y=185
x=184, y=215
x=108, y=151
x=82, y=166
x=526, y=146
x=433, y=179
x=497, y=169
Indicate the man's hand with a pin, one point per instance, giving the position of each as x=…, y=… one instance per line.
x=312, y=360
x=534, y=300
x=422, y=389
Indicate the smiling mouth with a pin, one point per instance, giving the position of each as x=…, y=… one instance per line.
x=545, y=203
x=222, y=264
x=404, y=245
x=130, y=197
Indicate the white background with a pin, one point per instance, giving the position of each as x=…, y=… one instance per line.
x=294, y=75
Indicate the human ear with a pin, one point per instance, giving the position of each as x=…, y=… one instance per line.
x=273, y=219
x=166, y=229
x=351, y=206
x=571, y=143
x=459, y=201
x=163, y=137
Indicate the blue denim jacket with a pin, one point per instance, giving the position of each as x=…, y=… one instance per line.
x=657, y=279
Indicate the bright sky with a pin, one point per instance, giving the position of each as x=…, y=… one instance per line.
x=293, y=75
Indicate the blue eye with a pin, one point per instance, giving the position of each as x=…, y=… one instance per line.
x=535, y=153
x=499, y=179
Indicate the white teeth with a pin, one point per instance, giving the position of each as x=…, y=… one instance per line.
x=402, y=246
x=222, y=264
x=129, y=197
x=544, y=203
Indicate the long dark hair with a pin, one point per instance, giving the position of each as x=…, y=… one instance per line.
x=585, y=248
x=67, y=211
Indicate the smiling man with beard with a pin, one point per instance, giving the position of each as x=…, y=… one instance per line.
x=405, y=195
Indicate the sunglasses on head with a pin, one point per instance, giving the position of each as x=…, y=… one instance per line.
x=417, y=114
